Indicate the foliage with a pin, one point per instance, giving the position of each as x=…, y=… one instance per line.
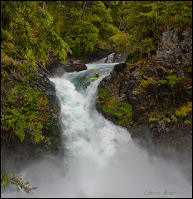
x=30, y=29
x=145, y=20
x=149, y=81
x=7, y=180
x=37, y=28
x=23, y=106
x=166, y=119
x=147, y=45
x=55, y=107
x=187, y=122
x=153, y=119
x=184, y=110
x=29, y=115
x=174, y=119
x=119, y=40
x=103, y=95
x=173, y=80
x=122, y=112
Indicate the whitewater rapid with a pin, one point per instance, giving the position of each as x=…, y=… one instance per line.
x=101, y=160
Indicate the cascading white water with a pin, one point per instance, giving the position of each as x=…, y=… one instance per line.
x=108, y=59
x=101, y=160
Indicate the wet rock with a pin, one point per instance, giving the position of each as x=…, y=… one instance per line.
x=75, y=66
x=173, y=57
x=119, y=67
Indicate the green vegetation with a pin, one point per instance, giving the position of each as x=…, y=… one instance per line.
x=122, y=112
x=29, y=29
x=146, y=83
x=140, y=39
x=166, y=119
x=174, y=119
x=173, y=80
x=55, y=107
x=23, y=107
x=187, y=122
x=184, y=110
x=153, y=119
x=171, y=115
x=7, y=180
x=34, y=31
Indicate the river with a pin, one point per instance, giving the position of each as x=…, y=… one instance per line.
x=101, y=160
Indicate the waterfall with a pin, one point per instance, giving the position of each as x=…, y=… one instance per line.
x=101, y=160
x=108, y=59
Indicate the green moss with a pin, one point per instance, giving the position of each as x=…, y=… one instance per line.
x=55, y=107
x=103, y=95
x=173, y=80
x=122, y=112
x=174, y=119
x=182, y=112
x=153, y=119
x=164, y=81
x=187, y=122
x=166, y=119
x=126, y=111
x=146, y=83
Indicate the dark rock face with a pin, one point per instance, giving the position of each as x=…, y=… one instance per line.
x=145, y=86
x=75, y=66
x=175, y=48
x=57, y=67
x=96, y=55
x=106, y=55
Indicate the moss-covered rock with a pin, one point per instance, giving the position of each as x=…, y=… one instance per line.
x=158, y=90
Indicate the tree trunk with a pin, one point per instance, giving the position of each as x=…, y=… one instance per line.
x=44, y=4
x=84, y=5
x=120, y=23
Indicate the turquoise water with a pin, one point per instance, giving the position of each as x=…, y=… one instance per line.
x=101, y=160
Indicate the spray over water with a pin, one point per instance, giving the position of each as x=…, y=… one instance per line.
x=101, y=160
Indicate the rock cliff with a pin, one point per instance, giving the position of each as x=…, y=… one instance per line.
x=153, y=97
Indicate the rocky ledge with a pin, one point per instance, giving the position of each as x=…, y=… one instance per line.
x=57, y=67
x=153, y=98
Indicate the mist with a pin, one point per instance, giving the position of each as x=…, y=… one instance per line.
x=130, y=172
x=101, y=160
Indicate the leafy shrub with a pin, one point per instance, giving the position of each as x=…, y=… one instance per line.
x=147, y=45
x=173, y=80
x=31, y=114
